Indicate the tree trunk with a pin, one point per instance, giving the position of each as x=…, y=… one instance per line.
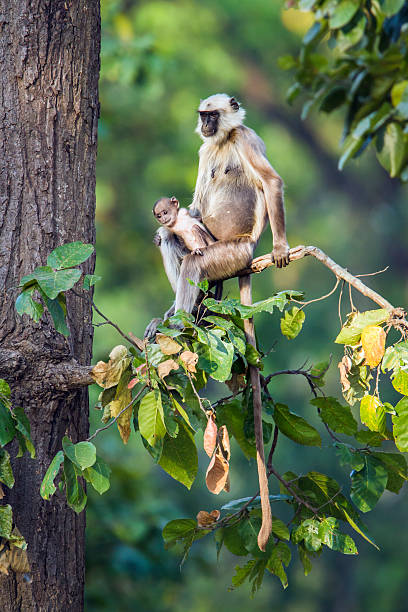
x=49, y=52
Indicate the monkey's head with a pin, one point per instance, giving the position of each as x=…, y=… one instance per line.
x=166, y=210
x=219, y=114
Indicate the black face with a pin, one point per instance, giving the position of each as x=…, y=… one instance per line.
x=209, y=122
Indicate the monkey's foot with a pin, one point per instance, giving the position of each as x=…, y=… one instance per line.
x=151, y=329
x=280, y=255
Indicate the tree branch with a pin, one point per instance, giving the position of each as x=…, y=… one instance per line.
x=264, y=261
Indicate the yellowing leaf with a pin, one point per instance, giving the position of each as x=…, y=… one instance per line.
x=165, y=367
x=168, y=346
x=217, y=473
x=372, y=413
x=123, y=421
x=210, y=436
x=107, y=375
x=373, y=341
x=345, y=366
x=236, y=382
x=190, y=360
x=207, y=519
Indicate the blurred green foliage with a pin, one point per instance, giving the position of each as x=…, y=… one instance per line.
x=365, y=72
x=158, y=59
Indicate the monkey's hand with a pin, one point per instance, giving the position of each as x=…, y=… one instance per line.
x=197, y=252
x=280, y=255
x=157, y=239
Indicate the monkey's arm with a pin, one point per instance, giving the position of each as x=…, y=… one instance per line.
x=195, y=206
x=202, y=237
x=272, y=186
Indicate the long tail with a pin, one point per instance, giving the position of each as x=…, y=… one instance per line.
x=266, y=527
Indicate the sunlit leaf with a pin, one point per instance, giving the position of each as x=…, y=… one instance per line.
x=69, y=255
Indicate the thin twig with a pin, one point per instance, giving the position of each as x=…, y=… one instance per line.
x=195, y=392
x=117, y=416
x=291, y=490
x=323, y=297
x=353, y=308
x=373, y=273
x=340, y=298
x=273, y=447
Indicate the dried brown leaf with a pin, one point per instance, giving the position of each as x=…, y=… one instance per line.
x=224, y=442
x=141, y=344
x=373, y=342
x=207, y=519
x=227, y=487
x=4, y=562
x=345, y=367
x=236, y=382
x=190, y=360
x=168, y=346
x=210, y=436
x=19, y=560
x=1, y=492
x=107, y=375
x=165, y=367
x=217, y=473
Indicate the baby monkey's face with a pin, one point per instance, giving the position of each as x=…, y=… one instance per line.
x=166, y=210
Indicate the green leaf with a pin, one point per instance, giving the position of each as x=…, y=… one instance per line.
x=235, y=334
x=359, y=378
x=98, y=475
x=400, y=423
x=395, y=357
x=390, y=7
x=356, y=322
x=233, y=540
x=369, y=438
x=236, y=504
x=6, y=472
x=400, y=382
x=343, y=13
x=305, y=559
x=233, y=416
x=6, y=521
x=58, y=315
x=396, y=466
x=82, y=454
x=397, y=92
x=178, y=529
x=295, y=427
x=151, y=417
x=53, y=282
x=7, y=428
x=90, y=280
x=216, y=356
x=339, y=418
x=47, y=488
x=69, y=255
x=308, y=531
x=279, y=558
x=372, y=413
x=349, y=456
x=373, y=121
x=292, y=322
x=330, y=535
x=368, y=484
x=23, y=427
x=154, y=451
x=350, y=147
x=76, y=496
x=5, y=390
x=179, y=456
x=391, y=148
x=26, y=305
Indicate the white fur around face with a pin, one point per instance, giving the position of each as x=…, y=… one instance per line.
x=229, y=118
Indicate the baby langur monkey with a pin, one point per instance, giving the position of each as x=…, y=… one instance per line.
x=183, y=223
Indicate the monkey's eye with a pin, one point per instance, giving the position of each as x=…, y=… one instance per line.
x=214, y=115
x=164, y=212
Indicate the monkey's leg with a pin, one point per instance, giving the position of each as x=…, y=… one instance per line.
x=220, y=260
x=266, y=527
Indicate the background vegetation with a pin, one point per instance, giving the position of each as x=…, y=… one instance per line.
x=158, y=59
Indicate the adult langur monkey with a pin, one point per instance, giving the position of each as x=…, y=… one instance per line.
x=237, y=191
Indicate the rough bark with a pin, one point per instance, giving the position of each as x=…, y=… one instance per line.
x=49, y=52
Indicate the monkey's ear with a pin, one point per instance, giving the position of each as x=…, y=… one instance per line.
x=234, y=104
x=175, y=201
